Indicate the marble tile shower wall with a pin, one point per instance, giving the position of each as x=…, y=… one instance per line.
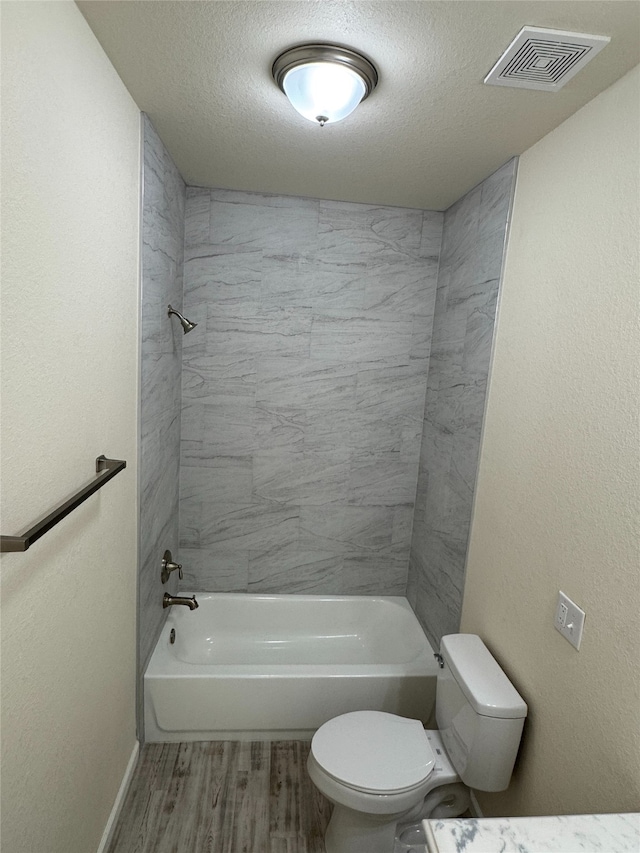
x=470, y=267
x=303, y=391
x=164, y=195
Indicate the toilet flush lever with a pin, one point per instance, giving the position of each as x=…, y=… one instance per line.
x=169, y=566
x=440, y=660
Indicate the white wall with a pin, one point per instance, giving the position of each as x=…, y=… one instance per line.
x=70, y=176
x=557, y=503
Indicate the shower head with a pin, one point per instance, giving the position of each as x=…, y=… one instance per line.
x=187, y=325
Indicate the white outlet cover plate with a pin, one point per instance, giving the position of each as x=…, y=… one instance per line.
x=569, y=622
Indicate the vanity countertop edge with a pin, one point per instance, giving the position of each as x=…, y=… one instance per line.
x=586, y=833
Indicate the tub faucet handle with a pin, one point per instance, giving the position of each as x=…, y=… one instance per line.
x=169, y=566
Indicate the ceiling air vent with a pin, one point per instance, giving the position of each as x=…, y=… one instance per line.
x=544, y=59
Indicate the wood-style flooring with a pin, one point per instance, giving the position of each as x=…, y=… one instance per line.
x=222, y=797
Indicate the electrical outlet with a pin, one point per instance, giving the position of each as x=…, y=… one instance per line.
x=561, y=614
x=569, y=620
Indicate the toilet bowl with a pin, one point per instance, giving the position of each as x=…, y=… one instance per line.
x=379, y=769
x=373, y=790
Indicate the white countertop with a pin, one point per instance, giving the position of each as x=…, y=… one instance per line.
x=608, y=833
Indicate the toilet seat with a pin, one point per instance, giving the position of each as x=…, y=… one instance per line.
x=374, y=752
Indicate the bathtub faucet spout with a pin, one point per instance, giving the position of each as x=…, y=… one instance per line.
x=169, y=600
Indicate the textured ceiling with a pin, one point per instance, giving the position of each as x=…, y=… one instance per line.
x=430, y=131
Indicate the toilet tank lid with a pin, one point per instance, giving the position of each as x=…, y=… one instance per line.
x=480, y=677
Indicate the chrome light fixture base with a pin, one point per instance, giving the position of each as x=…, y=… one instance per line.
x=352, y=64
x=306, y=53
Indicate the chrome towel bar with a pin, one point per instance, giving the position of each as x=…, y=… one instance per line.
x=106, y=469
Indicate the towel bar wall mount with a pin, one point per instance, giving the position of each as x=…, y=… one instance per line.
x=106, y=469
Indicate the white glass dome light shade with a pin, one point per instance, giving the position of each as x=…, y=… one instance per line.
x=324, y=92
x=324, y=82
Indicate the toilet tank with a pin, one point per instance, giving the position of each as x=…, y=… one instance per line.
x=480, y=714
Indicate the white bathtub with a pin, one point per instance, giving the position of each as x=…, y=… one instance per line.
x=278, y=666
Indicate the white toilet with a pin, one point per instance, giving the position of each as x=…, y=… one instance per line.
x=379, y=769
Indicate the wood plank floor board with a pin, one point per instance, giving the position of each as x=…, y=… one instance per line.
x=141, y=801
x=215, y=818
x=313, y=810
x=281, y=845
x=222, y=797
x=194, y=796
x=251, y=811
x=283, y=810
x=133, y=838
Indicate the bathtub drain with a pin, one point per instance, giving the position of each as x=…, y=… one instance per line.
x=172, y=636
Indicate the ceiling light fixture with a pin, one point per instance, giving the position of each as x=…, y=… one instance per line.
x=324, y=82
